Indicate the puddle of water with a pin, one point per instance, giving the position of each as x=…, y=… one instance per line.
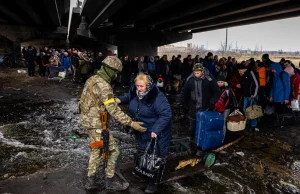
x=41, y=141
x=44, y=140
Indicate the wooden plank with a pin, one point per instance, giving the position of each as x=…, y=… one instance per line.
x=228, y=145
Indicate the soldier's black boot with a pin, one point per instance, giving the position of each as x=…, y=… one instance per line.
x=116, y=184
x=151, y=188
x=91, y=183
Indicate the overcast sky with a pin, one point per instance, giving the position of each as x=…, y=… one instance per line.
x=279, y=34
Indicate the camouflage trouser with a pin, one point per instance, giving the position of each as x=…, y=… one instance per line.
x=96, y=156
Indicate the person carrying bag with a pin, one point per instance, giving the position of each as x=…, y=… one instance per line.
x=148, y=164
x=253, y=111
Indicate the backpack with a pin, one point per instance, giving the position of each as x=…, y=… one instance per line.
x=220, y=105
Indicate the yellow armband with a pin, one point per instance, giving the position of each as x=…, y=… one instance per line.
x=112, y=100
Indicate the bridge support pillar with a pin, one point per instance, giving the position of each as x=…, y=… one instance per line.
x=146, y=43
x=17, y=55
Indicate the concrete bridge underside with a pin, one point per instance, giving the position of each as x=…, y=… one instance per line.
x=135, y=27
x=138, y=27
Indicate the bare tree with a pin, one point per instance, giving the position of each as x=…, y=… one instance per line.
x=225, y=48
x=256, y=49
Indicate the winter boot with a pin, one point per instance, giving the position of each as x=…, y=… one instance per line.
x=151, y=188
x=91, y=183
x=116, y=184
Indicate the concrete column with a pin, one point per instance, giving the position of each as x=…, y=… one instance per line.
x=17, y=55
x=146, y=43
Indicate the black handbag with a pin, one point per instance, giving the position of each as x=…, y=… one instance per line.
x=148, y=165
x=288, y=118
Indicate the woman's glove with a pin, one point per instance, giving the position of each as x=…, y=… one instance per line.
x=137, y=126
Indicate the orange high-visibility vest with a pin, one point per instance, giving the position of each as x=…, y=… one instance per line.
x=262, y=76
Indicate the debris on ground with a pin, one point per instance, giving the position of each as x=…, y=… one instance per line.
x=240, y=153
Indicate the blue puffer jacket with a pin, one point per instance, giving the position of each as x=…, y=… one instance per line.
x=155, y=112
x=66, y=62
x=280, y=90
x=210, y=65
x=151, y=67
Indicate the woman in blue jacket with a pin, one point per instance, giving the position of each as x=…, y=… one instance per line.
x=280, y=91
x=66, y=62
x=150, y=106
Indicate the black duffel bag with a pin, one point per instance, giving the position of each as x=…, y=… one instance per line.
x=148, y=165
x=287, y=118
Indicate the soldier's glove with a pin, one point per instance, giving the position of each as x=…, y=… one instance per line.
x=137, y=126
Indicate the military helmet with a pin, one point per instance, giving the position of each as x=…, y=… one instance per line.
x=198, y=67
x=113, y=62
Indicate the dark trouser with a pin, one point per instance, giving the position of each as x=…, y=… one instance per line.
x=31, y=69
x=42, y=70
x=279, y=107
x=262, y=96
x=192, y=118
x=192, y=128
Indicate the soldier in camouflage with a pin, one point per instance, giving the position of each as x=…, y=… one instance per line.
x=97, y=96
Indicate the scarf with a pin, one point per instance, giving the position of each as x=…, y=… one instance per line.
x=148, y=88
x=107, y=74
x=198, y=91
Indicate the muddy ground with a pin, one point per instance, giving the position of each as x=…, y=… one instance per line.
x=43, y=150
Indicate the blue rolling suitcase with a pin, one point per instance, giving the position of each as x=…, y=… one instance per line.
x=209, y=130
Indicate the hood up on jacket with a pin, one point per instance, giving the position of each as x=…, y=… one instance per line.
x=277, y=67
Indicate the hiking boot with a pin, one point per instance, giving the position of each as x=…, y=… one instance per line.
x=91, y=183
x=116, y=184
x=151, y=188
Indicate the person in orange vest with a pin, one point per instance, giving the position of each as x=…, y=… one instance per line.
x=261, y=70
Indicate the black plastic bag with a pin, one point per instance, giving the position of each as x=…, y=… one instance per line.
x=148, y=165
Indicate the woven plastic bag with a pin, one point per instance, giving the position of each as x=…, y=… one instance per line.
x=236, y=121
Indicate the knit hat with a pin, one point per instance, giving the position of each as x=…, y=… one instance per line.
x=289, y=70
x=221, y=78
x=198, y=67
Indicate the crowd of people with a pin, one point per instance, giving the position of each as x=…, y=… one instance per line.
x=76, y=64
x=274, y=86
x=201, y=83
x=250, y=82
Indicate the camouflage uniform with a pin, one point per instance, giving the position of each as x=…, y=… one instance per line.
x=89, y=119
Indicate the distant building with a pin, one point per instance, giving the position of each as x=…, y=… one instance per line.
x=202, y=47
x=189, y=45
